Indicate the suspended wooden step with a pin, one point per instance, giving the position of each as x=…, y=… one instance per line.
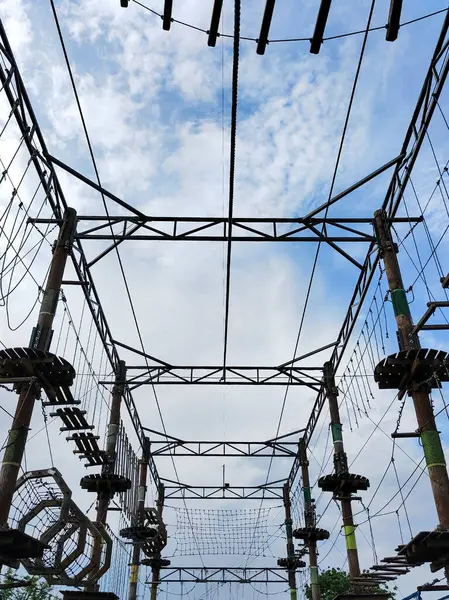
x=88, y=448
x=394, y=570
x=73, y=418
x=60, y=396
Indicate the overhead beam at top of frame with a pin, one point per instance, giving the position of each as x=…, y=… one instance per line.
x=394, y=19
x=166, y=18
x=214, y=23
x=320, y=26
x=265, y=27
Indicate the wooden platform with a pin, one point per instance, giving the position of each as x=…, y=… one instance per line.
x=310, y=534
x=344, y=483
x=398, y=371
x=427, y=547
x=16, y=545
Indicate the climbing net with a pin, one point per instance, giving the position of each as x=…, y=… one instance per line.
x=210, y=531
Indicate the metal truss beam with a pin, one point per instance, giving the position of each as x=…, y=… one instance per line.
x=183, y=491
x=16, y=94
x=223, y=575
x=166, y=445
x=216, y=375
x=159, y=372
x=216, y=229
x=414, y=137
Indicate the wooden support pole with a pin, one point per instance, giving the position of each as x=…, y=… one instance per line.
x=310, y=520
x=40, y=340
x=341, y=466
x=289, y=534
x=104, y=498
x=139, y=520
x=408, y=340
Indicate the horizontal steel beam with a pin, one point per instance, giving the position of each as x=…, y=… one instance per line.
x=222, y=575
x=167, y=445
x=182, y=491
x=263, y=229
x=216, y=375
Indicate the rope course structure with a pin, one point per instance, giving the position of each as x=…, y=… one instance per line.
x=221, y=532
x=79, y=260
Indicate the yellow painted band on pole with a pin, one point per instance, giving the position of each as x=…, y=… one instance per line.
x=134, y=574
x=351, y=543
x=436, y=465
x=292, y=594
x=7, y=462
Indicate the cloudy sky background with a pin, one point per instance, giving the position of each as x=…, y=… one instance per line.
x=157, y=106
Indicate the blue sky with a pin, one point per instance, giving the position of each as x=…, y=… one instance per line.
x=160, y=132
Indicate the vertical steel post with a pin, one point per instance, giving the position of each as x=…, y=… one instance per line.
x=40, y=340
x=139, y=520
x=290, y=546
x=310, y=520
x=341, y=466
x=430, y=437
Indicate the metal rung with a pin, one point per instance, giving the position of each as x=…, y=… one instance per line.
x=432, y=306
x=406, y=434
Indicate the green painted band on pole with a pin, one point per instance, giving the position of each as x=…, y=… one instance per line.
x=400, y=303
x=351, y=543
x=307, y=494
x=337, y=434
x=289, y=530
x=292, y=594
x=314, y=575
x=432, y=449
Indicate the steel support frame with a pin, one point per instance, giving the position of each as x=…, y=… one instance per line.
x=21, y=107
x=223, y=575
x=199, y=228
x=216, y=375
x=425, y=107
x=14, y=89
x=167, y=445
x=182, y=491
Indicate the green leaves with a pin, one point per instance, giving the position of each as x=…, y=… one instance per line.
x=38, y=590
x=334, y=582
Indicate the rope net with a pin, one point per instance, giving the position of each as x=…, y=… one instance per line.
x=222, y=532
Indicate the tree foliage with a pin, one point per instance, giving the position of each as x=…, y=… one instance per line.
x=37, y=590
x=334, y=582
